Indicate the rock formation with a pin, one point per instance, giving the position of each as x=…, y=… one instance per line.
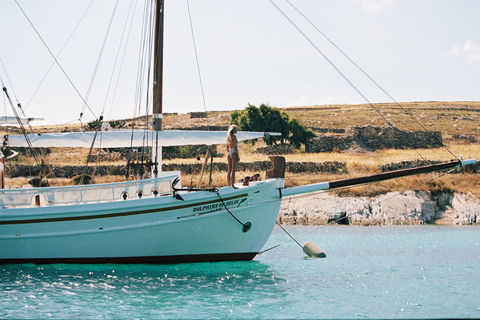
x=409, y=208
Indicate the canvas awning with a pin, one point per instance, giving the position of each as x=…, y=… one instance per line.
x=125, y=139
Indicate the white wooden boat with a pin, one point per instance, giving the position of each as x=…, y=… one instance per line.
x=153, y=220
x=94, y=224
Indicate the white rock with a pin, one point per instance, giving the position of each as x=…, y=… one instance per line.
x=393, y=208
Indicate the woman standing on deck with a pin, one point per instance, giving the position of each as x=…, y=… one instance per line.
x=233, y=156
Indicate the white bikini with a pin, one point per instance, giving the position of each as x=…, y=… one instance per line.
x=232, y=150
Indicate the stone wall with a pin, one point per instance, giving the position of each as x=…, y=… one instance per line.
x=201, y=128
x=326, y=130
x=263, y=166
x=18, y=170
x=471, y=168
x=276, y=149
x=198, y=115
x=468, y=138
x=335, y=167
x=373, y=138
x=134, y=155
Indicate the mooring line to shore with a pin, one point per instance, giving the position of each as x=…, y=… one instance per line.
x=293, y=239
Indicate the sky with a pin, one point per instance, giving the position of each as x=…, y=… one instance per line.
x=248, y=53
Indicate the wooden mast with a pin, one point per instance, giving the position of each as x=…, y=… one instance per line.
x=158, y=81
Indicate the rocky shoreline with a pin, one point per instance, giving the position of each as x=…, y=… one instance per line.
x=394, y=208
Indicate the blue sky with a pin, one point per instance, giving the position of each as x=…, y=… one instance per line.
x=422, y=50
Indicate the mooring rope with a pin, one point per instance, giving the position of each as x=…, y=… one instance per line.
x=293, y=239
x=246, y=226
x=278, y=224
x=341, y=218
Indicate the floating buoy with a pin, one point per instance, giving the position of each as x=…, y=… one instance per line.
x=312, y=250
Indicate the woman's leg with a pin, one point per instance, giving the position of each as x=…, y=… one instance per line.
x=234, y=168
x=230, y=167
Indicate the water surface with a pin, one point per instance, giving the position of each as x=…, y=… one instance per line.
x=369, y=272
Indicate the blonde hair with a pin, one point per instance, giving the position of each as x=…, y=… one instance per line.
x=231, y=128
x=230, y=131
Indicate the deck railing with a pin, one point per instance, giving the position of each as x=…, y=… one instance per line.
x=65, y=195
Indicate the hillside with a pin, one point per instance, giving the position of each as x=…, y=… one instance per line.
x=450, y=118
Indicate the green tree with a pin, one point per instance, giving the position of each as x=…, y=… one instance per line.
x=94, y=125
x=116, y=124
x=299, y=134
x=270, y=119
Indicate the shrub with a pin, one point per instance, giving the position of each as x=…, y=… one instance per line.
x=299, y=134
x=184, y=151
x=270, y=119
x=94, y=125
x=116, y=124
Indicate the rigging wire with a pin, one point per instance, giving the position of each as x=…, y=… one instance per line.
x=148, y=61
x=198, y=64
x=24, y=132
x=373, y=81
x=58, y=54
x=116, y=60
x=144, y=68
x=4, y=103
x=347, y=80
x=351, y=84
x=8, y=78
x=22, y=128
x=13, y=90
x=124, y=52
x=346, y=215
x=100, y=119
x=56, y=61
x=99, y=59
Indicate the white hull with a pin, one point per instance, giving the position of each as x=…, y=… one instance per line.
x=152, y=229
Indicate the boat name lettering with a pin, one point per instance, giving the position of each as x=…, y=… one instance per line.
x=217, y=206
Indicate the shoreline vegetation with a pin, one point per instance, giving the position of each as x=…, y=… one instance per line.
x=457, y=122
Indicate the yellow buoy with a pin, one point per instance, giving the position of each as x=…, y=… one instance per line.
x=312, y=250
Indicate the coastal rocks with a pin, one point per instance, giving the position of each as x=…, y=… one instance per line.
x=407, y=208
x=464, y=210
x=403, y=208
x=321, y=209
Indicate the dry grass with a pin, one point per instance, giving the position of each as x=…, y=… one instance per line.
x=449, y=118
x=358, y=164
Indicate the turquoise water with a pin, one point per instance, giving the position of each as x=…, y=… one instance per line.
x=369, y=272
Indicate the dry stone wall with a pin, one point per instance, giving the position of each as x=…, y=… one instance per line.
x=18, y=170
x=468, y=138
x=373, y=138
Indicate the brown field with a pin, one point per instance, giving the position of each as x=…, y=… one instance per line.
x=448, y=117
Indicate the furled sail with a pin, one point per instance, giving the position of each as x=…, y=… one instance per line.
x=125, y=138
x=9, y=120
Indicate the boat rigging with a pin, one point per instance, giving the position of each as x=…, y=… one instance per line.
x=151, y=220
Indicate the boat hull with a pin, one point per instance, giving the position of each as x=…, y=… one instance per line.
x=149, y=230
